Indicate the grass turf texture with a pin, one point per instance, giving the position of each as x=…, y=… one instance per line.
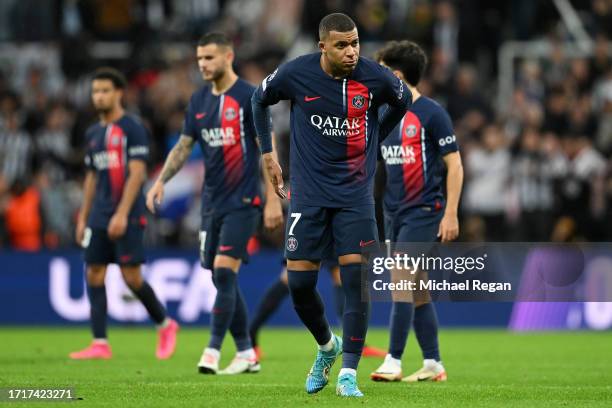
x=486, y=368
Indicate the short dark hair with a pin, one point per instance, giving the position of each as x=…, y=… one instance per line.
x=405, y=56
x=214, y=38
x=113, y=75
x=335, y=22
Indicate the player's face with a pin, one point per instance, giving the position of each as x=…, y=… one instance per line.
x=214, y=60
x=104, y=95
x=341, y=50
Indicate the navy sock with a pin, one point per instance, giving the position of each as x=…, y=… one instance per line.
x=240, y=322
x=225, y=304
x=148, y=299
x=355, y=319
x=97, y=301
x=426, y=330
x=269, y=303
x=339, y=300
x=308, y=304
x=401, y=320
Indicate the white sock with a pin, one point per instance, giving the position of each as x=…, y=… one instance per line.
x=350, y=371
x=213, y=352
x=248, y=354
x=327, y=346
x=396, y=362
x=164, y=324
x=100, y=341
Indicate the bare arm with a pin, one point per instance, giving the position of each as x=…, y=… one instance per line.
x=176, y=158
x=273, y=209
x=89, y=190
x=454, y=181
x=449, y=226
x=131, y=189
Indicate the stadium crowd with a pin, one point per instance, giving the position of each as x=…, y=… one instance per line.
x=537, y=170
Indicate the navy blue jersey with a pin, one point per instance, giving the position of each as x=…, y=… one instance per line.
x=223, y=125
x=413, y=154
x=334, y=127
x=110, y=147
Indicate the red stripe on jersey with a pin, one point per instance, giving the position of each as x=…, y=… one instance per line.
x=115, y=147
x=233, y=155
x=358, y=102
x=412, y=169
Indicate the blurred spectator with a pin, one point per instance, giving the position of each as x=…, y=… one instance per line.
x=488, y=174
x=533, y=172
x=16, y=150
x=23, y=219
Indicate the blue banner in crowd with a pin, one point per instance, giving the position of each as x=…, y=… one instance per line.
x=49, y=288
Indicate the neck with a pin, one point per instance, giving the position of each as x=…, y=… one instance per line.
x=224, y=83
x=415, y=93
x=112, y=115
x=327, y=68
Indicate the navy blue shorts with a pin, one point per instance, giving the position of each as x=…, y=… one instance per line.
x=227, y=234
x=127, y=250
x=419, y=224
x=316, y=233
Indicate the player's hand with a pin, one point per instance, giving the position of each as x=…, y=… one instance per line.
x=275, y=173
x=80, y=230
x=155, y=195
x=117, y=226
x=449, y=228
x=273, y=214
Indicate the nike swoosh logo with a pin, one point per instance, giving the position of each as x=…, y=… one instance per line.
x=366, y=243
x=356, y=339
x=225, y=247
x=419, y=378
x=310, y=98
x=199, y=116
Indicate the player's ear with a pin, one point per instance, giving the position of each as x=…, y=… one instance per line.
x=229, y=55
x=322, y=46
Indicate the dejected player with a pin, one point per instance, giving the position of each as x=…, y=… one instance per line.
x=219, y=118
x=415, y=156
x=111, y=221
x=335, y=96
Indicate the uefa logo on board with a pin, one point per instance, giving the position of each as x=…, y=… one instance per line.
x=230, y=114
x=358, y=101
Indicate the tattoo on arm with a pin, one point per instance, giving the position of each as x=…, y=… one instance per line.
x=177, y=157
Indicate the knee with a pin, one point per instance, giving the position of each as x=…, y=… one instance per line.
x=228, y=262
x=301, y=281
x=133, y=279
x=96, y=275
x=224, y=278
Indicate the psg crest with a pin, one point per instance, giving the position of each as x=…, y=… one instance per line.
x=358, y=101
x=230, y=114
x=411, y=131
x=292, y=244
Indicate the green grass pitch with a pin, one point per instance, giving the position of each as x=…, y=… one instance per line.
x=485, y=367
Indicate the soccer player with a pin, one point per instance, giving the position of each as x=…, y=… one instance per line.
x=111, y=222
x=335, y=96
x=415, y=155
x=219, y=118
